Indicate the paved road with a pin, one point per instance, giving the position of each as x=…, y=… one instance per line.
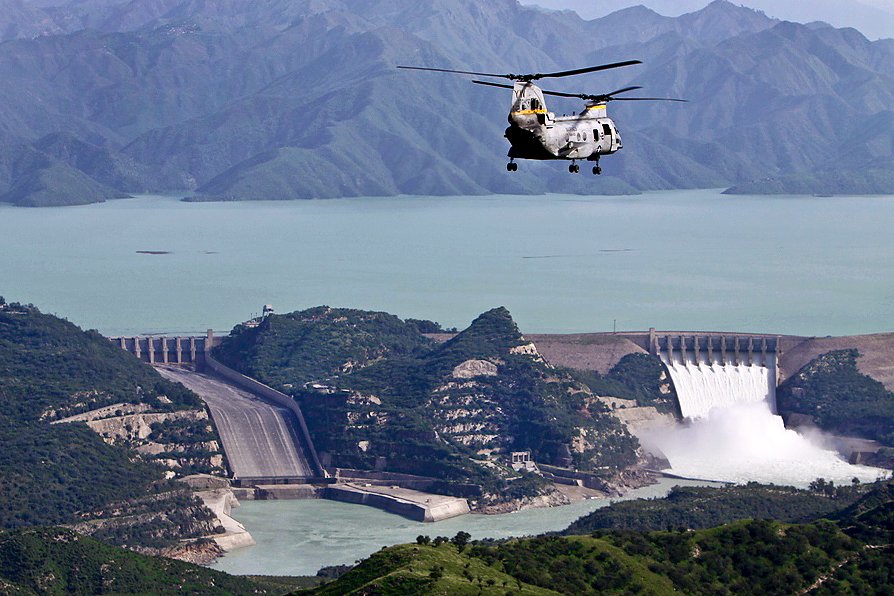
x=259, y=438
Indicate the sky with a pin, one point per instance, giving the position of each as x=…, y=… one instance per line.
x=873, y=18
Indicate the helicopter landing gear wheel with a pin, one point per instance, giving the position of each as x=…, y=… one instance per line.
x=597, y=170
x=511, y=167
x=573, y=168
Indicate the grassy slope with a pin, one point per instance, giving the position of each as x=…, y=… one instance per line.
x=756, y=556
x=417, y=569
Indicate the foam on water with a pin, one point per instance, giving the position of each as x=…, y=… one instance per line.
x=747, y=442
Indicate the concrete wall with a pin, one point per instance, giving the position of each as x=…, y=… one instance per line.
x=586, y=479
x=273, y=396
x=168, y=350
x=443, y=508
x=196, y=351
x=734, y=349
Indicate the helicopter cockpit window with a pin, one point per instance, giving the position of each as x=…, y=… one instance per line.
x=535, y=104
x=607, y=130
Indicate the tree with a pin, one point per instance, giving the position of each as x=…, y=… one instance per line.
x=461, y=540
x=423, y=539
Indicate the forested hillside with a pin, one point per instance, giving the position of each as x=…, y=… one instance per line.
x=697, y=507
x=281, y=99
x=832, y=392
x=59, y=561
x=377, y=394
x=65, y=472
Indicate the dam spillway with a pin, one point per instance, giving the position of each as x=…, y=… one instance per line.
x=719, y=371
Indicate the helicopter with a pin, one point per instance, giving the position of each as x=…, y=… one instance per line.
x=536, y=133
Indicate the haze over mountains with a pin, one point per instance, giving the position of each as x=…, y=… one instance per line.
x=873, y=18
x=281, y=99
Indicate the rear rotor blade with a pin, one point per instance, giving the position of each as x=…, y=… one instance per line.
x=560, y=94
x=624, y=90
x=649, y=99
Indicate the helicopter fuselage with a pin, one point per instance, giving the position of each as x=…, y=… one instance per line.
x=536, y=133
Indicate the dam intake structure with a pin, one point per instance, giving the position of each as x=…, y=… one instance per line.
x=719, y=371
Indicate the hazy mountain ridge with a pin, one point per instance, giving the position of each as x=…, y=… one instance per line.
x=283, y=100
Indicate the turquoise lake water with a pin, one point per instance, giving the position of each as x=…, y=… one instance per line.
x=682, y=260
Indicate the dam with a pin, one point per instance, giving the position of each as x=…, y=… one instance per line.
x=719, y=371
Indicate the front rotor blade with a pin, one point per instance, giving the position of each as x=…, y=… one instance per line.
x=570, y=73
x=489, y=84
x=479, y=74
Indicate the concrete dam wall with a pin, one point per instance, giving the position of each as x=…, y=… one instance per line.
x=168, y=350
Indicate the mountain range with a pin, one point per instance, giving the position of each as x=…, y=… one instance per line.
x=873, y=18
x=281, y=99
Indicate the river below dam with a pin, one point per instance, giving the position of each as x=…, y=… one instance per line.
x=559, y=263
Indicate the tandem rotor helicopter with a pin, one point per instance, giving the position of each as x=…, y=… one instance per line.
x=536, y=133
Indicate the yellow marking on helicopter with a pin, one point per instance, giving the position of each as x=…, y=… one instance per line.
x=528, y=112
x=600, y=106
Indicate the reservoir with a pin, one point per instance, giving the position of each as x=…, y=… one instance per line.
x=690, y=260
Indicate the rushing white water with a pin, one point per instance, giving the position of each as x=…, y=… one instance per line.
x=747, y=442
x=704, y=386
x=732, y=433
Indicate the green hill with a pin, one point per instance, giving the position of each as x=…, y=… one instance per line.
x=754, y=557
x=378, y=394
x=65, y=473
x=693, y=507
x=833, y=392
x=59, y=561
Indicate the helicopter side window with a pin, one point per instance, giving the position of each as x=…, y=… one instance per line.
x=595, y=134
x=535, y=104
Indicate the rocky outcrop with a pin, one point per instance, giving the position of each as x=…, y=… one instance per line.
x=137, y=426
x=553, y=498
x=475, y=368
x=221, y=502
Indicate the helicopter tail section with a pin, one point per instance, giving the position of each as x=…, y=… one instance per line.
x=528, y=105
